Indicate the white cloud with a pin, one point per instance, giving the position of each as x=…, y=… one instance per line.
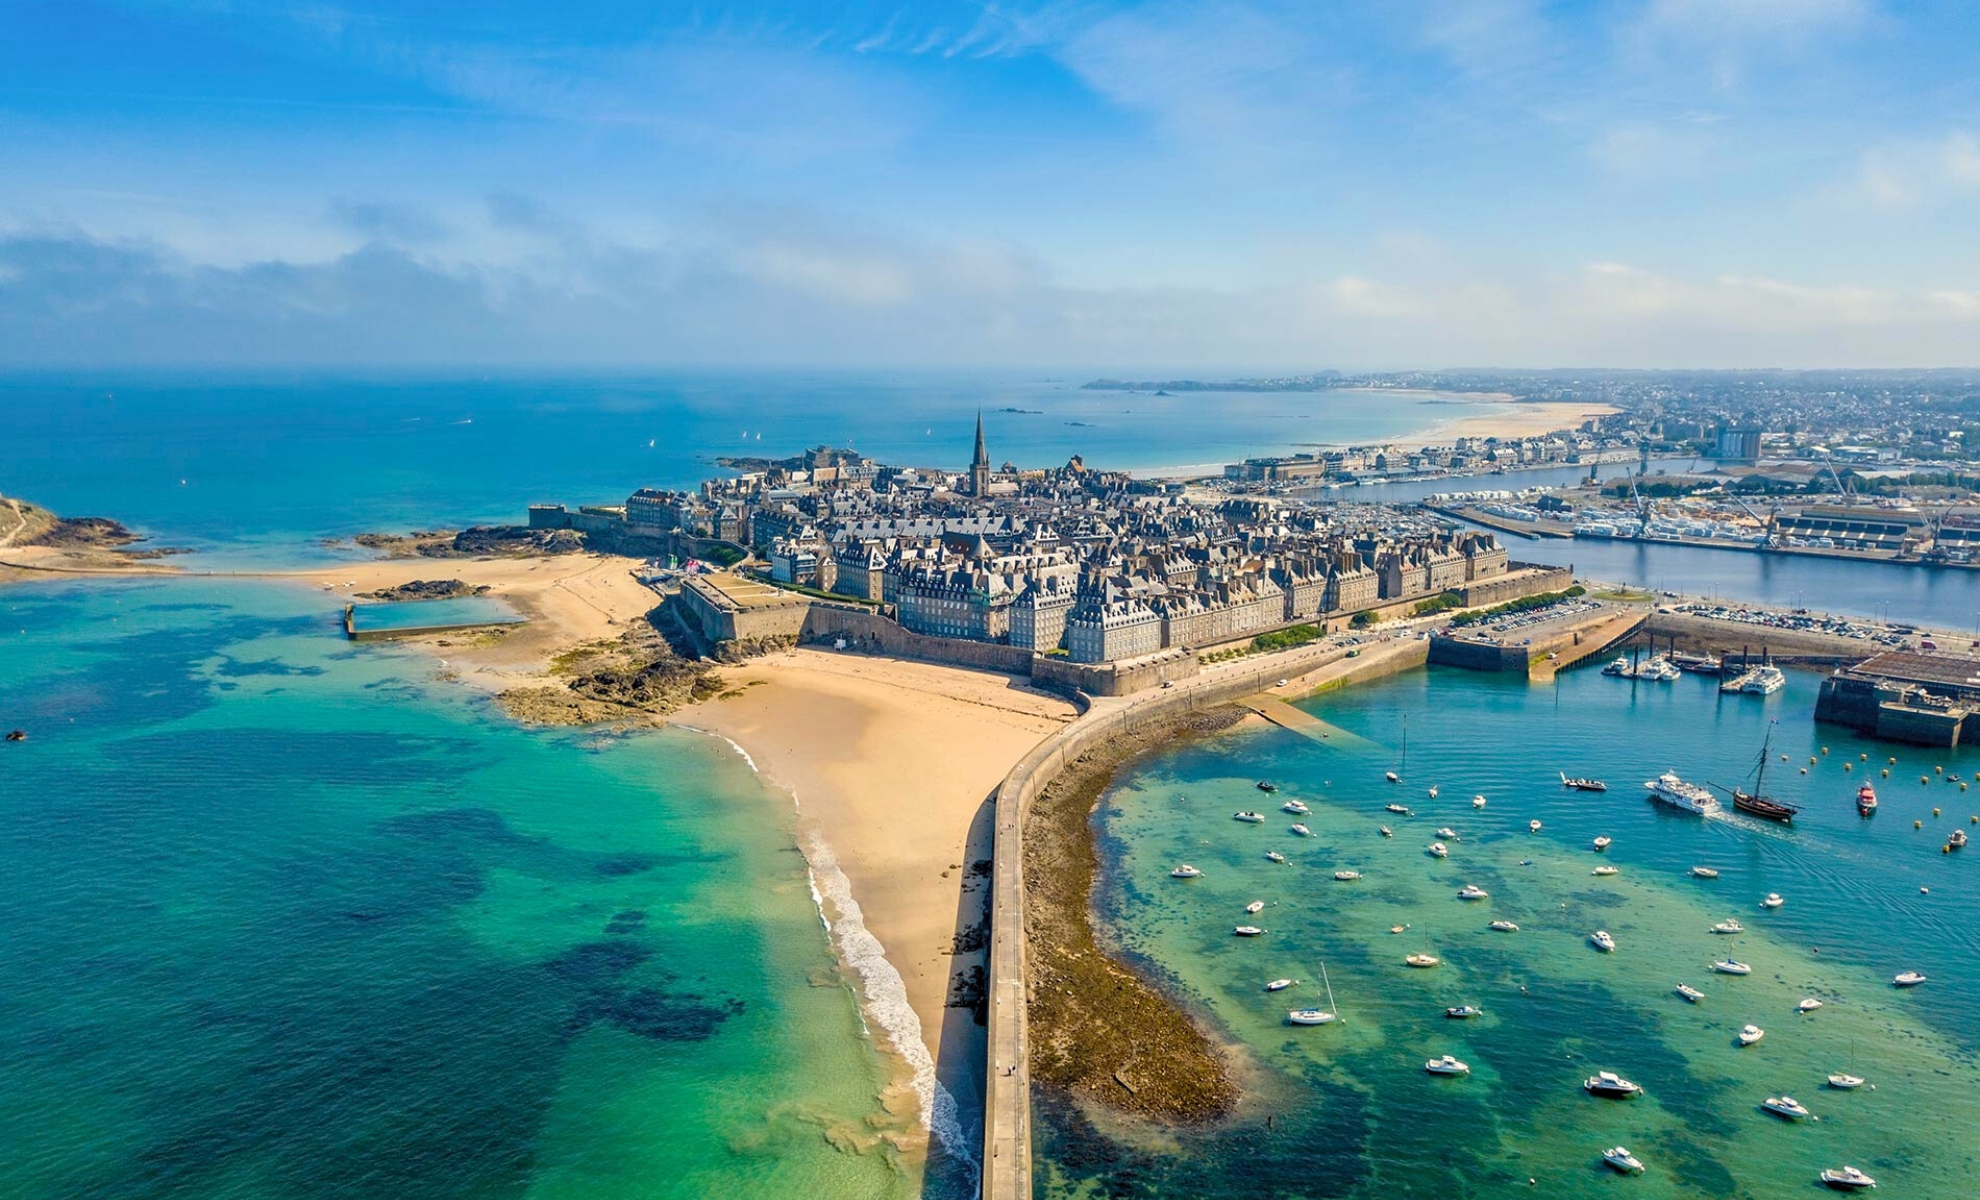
x=1920, y=173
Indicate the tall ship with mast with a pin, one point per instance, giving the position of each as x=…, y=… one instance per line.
x=1757, y=802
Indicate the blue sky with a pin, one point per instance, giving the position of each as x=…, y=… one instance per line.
x=1224, y=184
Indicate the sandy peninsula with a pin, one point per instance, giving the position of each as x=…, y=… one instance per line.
x=1512, y=422
x=892, y=765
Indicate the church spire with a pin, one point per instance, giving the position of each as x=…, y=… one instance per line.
x=979, y=466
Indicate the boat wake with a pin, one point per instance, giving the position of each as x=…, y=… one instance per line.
x=883, y=993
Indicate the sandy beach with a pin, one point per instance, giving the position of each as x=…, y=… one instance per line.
x=1515, y=421
x=892, y=765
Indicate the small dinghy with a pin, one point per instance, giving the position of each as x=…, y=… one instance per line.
x=1472, y=891
x=1478, y=802
x=1533, y=826
x=1421, y=960
x=1274, y=856
x=1279, y=985
x=1388, y=832
x=1750, y=1034
x=1773, y=900
x=1247, y=931
x=1729, y=925
x=1266, y=786
x=1464, y=1012
x=1622, y=1160
x=1503, y=927
x=1690, y=993
x=1184, y=872
x=1808, y=1005
x=1606, y=871
x=1302, y=831
x=1704, y=872
x=1603, y=842
x=1909, y=979
x=1399, y=810
x=1347, y=876
x=1249, y=818
x=1256, y=906
x=1449, y=834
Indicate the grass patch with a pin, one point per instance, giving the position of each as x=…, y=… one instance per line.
x=1436, y=604
x=1522, y=605
x=1288, y=638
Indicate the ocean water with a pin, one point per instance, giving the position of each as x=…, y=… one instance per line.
x=253, y=469
x=286, y=918
x=1347, y=1109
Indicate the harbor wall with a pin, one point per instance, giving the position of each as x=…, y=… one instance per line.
x=868, y=632
x=1478, y=656
x=1520, y=581
x=1007, y=1091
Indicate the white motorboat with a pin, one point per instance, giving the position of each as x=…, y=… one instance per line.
x=1464, y=1012
x=1279, y=985
x=1432, y=793
x=1274, y=856
x=1750, y=1034
x=1847, y=1179
x=1786, y=1106
x=1603, y=842
x=1686, y=797
x=1808, y=1005
x=1472, y=891
x=1295, y=807
x=1302, y=831
x=1447, y=1066
x=1503, y=927
x=1618, y=667
x=1309, y=1016
x=1606, y=871
x=1247, y=931
x=1845, y=1082
x=1773, y=900
x=1729, y=925
x=1705, y=872
x=1690, y=993
x=1764, y=681
x=1184, y=872
x=1728, y=966
x=1909, y=978
x=1398, y=809
x=1610, y=1084
x=1437, y=850
x=1421, y=960
x=1347, y=876
x=1603, y=941
x=1478, y=802
x=1449, y=834
x=1256, y=906
x=1388, y=832
x=1249, y=818
x=1622, y=1160
x=1533, y=826
x=1392, y=777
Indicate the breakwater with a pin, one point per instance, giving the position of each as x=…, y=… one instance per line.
x=1007, y=1096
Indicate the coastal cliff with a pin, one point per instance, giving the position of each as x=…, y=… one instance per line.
x=1098, y=1029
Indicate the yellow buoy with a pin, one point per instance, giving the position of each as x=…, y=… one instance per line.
x=1894, y=762
x=1918, y=824
x=1811, y=758
x=1935, y=812
x=1783, y=758
x=1849, y=766
x=1864, y=757
x=1946, y=849
x=1924, y=779
x=1938, y=770
x=1887, y=772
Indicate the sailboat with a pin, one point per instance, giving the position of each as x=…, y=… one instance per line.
x=1395, y=776
x=1757, y=802
x=1317, y=1016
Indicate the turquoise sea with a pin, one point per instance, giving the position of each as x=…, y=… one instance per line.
x=1347, y=1109
x=285, y=918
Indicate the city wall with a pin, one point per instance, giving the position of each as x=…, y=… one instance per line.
x=1007, y=1098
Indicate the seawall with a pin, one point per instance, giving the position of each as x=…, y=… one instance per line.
x=1007, y=1095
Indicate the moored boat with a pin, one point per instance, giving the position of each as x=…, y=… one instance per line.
x=1421, y=960
x=1472, y=891
x=1582, y=783
x=1866, y=800
x=1764, y=681
x=1705, y=872
x=1448, y=834
x=1478, y=802
x=1603, y=842
x=1808, y=1005
x=1274, y=856
x=1845, y=1082
x=1256, y=906
x=1690, y=993
x=1309, y=1016
x=1602, y=940
x=1399, y=810
x=1732, y=966
x=1437, y=850
x=1606, y=870
x=1503, y=927
x=1750, y=1034
x=1729, y=925
x=1266, y=786
x=1464, y=1012
x=1533, y=826
x=1909, y=978
x=1388, y=832
x=1786, y=1106
x=1279, y=985
x=1773, y=900
x=1247, y=931
x=1295, y=807
x=1622, y=1160
x=1249, y=818
x=1184, y=872
x=1847, y=1179
x=1347, y=876
x=1611, y=1085
x=1302, y=830
x=1447, y=1065
x=1956, y=840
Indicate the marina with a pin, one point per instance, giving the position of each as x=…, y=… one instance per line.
x=1555, y=1011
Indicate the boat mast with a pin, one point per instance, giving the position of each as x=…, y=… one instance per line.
x=1331, y=1006
x=1760, y=775
x=1403, y=767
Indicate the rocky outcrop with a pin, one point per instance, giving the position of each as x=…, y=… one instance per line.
x=428, y=589
x=636, y=677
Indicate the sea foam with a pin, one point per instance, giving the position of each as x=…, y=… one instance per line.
x=882, y=989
